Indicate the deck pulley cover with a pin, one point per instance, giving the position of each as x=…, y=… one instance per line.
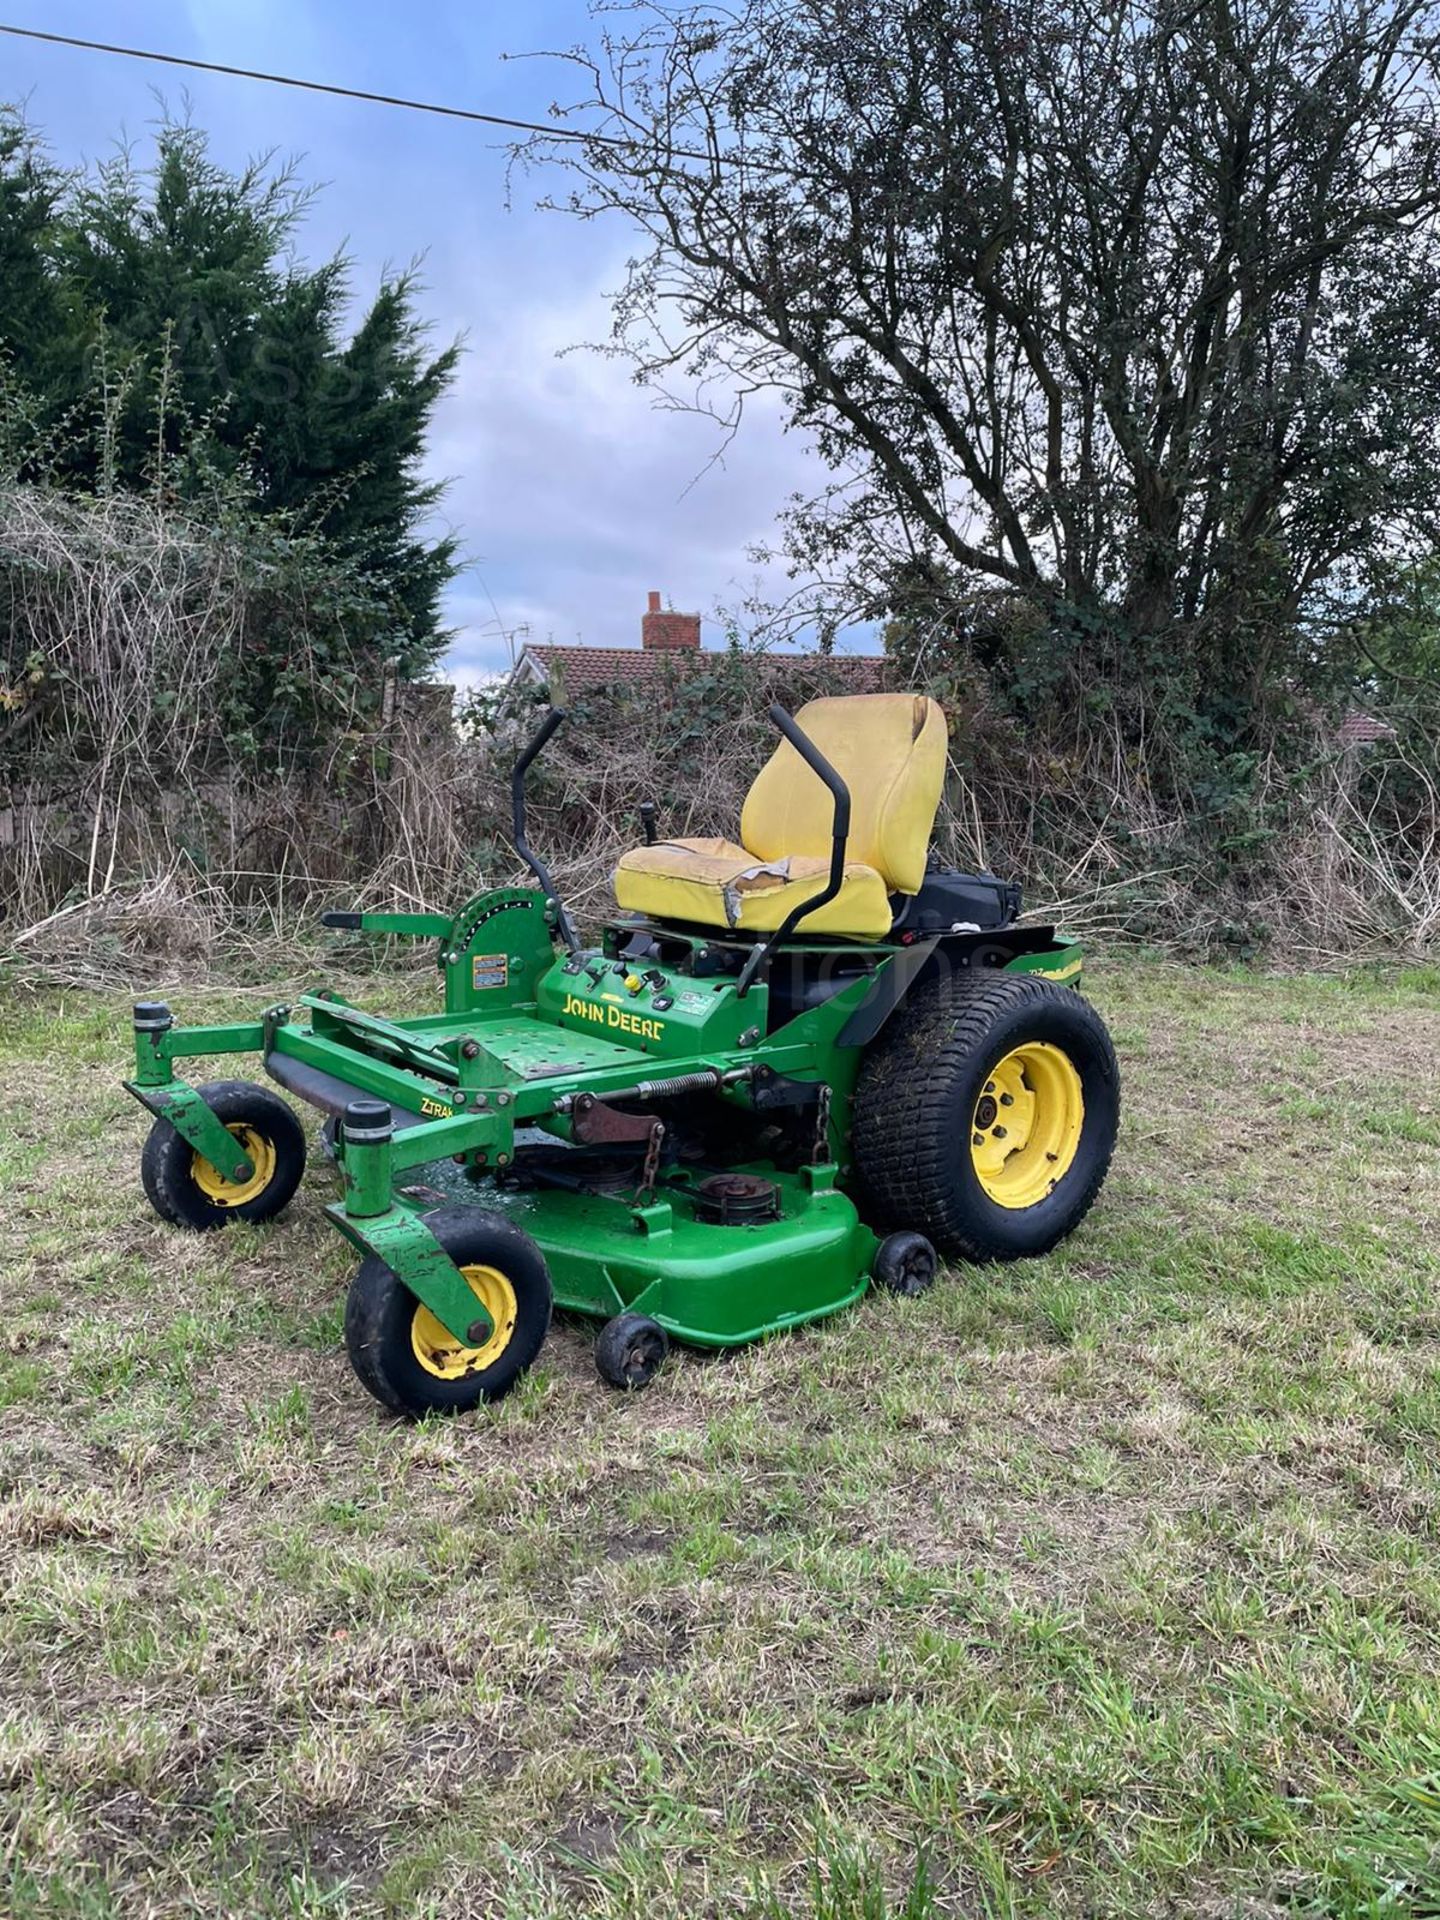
x=736, y=1200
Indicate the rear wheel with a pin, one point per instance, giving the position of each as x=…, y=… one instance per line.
x=408, y=1358
x=986, y=1118
x=186, y=1189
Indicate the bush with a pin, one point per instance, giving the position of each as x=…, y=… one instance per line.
x=175, y=695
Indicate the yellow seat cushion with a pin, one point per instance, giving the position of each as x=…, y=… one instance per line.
x=714, y=883
x=890, y=749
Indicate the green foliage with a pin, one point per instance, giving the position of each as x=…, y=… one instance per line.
x=38, y=314
x=1116, y=332
x=158, y=331
x=1397, y=648
x=846, y=1885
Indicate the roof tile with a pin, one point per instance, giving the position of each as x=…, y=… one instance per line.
x=1363, y=729
x=585, y=668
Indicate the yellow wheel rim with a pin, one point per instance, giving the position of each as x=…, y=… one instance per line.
x=437, y=1349
x=1025, y=1130
x=221, y=1192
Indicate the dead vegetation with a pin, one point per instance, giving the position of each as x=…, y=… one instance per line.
x=173, y=793
x=432, y=811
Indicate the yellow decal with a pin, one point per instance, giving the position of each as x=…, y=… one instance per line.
x=611, y=1016
x=434, y=1110
x=1059, y=973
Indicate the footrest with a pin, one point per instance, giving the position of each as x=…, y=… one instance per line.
x=370, y=1034
x=326, y=1090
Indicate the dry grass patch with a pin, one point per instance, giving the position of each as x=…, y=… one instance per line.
x=1107, y=1584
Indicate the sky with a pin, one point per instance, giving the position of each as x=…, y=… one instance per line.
x=572, y=494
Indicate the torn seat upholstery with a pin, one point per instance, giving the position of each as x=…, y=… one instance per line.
x=890, y=750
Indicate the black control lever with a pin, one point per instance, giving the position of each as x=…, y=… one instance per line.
x=647, y=821
x=548, y=725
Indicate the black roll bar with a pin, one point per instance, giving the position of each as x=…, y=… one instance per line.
x=553, y=719
x=840, y=832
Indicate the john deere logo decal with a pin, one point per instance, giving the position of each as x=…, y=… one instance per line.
x=611, y=1016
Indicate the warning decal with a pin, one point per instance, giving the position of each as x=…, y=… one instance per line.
x=489, y=970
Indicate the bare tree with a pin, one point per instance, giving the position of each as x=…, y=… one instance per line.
x=1131, y=311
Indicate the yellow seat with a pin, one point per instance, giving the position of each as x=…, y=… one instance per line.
x=890, y=750
x=718, y=884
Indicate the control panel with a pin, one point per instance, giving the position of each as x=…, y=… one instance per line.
x=643, y=1004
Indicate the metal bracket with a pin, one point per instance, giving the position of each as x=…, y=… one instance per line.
x=485, y=1072
x=596, y=1123
x=406, y=1244
x=771, y=1090
x=193, y=1120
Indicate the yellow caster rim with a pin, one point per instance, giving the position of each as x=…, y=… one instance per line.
x=1025, y=1130
x=437, y=1349
x=221, y=1192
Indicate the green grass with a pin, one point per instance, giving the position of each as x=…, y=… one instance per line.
x=1104, y=1585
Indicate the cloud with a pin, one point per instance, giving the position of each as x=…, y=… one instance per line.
x=576, y=495
x=572, y=494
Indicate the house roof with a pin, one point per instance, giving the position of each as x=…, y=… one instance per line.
x=1363, y=729
x=585, y=668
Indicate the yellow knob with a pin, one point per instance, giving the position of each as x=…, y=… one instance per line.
x=634, y=982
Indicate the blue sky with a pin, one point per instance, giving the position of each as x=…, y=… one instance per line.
x=571, y=493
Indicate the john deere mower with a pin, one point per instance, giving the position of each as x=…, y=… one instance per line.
x=793, y=1068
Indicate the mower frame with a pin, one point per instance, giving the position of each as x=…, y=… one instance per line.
x=540, y=1032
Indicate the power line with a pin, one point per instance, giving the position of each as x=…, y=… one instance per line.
x=548, y=132
x=322, y=86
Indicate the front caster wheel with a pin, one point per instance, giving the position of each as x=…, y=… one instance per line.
x=904, y=1263
x=630, y=1350
x=406, y=1357
x=185, y=1189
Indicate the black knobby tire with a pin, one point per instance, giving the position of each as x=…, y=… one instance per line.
x=184, y=1189
x=383, y=1319
x=918, y=1094
x=630, y=1350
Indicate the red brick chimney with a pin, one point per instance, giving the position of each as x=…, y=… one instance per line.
x=668, y=632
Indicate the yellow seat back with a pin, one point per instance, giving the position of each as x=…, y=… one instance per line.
x=890, y=750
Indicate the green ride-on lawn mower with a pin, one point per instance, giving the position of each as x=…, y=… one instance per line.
x=792, y=1069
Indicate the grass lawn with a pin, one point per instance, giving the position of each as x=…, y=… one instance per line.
x=1106, y=1585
